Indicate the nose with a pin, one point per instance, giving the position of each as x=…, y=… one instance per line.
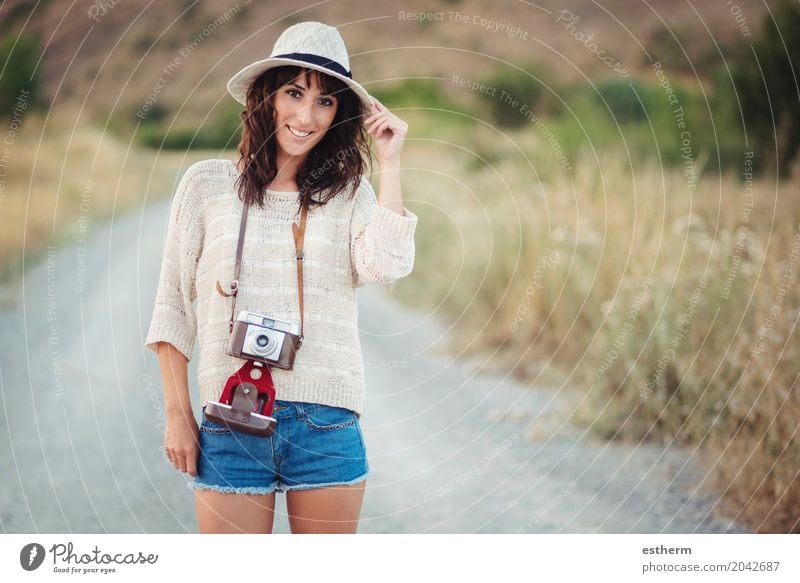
x=303, y=114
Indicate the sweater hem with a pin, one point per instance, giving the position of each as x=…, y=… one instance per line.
x=352, y=401
x=162, y=332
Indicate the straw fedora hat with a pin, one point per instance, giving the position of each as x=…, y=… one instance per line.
x=306, y=44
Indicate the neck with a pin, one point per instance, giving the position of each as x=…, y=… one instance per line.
x=287, y=171
x=287, y=168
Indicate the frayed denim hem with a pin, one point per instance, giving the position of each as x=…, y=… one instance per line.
x=361, y=478
x=233, y=490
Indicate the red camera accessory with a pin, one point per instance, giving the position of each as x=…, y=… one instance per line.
x=246, y=402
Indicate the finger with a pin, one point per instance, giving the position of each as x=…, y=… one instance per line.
x=382, y=116
x=374, y=126
x=376, y=123
x=172, y=455
x=191, y=466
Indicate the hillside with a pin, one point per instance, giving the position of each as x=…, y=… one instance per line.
x=181, y=53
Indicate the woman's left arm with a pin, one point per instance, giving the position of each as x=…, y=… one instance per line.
x=389, y=133
x=382, y=231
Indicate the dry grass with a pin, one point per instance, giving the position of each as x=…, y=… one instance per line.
x=62, y=176
x=581, y=282
x=674, y=310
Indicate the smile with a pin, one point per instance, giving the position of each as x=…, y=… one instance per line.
x=299, y=134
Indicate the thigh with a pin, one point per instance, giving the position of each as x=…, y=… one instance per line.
x=234, y=462
x=319, y=447
x=228, y=513
x=329, y=510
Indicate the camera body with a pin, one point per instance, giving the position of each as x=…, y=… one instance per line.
x=264, y=339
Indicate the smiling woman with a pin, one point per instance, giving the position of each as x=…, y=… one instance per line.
x=313, y=117
x=304, y=139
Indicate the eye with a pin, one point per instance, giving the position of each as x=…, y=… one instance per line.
x=291, y=91
x=329, y=101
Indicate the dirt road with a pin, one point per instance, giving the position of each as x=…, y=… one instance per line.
x=451, y=451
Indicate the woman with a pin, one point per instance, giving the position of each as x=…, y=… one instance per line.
x=305, y=128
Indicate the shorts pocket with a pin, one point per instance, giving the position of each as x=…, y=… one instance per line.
x=328, y=418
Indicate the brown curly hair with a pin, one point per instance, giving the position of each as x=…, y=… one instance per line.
x=334, y=163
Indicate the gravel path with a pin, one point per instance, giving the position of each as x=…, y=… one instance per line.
x=450, y=450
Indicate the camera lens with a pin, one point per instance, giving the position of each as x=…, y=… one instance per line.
x=262, y=340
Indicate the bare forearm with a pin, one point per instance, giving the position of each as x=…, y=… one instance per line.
x=175, y=376
x=390, y=195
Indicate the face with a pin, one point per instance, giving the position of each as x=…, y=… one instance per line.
x=301, y=107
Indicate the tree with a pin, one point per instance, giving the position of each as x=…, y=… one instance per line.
x=766, y=78
x=19, y=77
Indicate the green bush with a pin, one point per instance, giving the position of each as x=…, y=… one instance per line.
x=144, y=42
x=19, y=83
x=767, y=89
x=417, y=93
x=587, y=123
x=521, y=86
x=620, y=96
x=721, y=136
x=220, y=131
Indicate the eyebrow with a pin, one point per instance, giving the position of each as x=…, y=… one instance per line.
x=293, y=84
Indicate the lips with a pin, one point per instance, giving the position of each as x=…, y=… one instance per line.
x=297, y=134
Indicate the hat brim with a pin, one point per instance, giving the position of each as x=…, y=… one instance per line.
x=241, y=81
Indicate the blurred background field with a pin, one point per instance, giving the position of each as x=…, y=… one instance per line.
x=580, y=241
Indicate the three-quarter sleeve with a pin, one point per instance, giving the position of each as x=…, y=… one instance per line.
x=173, y=319
x=381, y=240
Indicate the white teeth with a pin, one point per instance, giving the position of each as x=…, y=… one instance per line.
x=298, y=134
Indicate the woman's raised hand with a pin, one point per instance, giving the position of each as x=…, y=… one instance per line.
x=388, y=130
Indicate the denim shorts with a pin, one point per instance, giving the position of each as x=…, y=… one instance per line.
x=312, y=446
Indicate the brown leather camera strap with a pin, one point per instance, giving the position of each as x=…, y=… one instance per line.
x=299, y=234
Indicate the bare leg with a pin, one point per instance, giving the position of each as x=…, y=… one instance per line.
x=225, y=513
x=329, y=510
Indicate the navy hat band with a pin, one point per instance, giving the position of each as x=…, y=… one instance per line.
x=316, y=60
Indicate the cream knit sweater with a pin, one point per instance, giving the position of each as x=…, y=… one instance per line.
x=348, y=243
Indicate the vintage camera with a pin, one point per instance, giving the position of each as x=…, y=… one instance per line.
x=264, y=339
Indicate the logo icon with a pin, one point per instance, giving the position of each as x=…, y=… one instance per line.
x=31, y=556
